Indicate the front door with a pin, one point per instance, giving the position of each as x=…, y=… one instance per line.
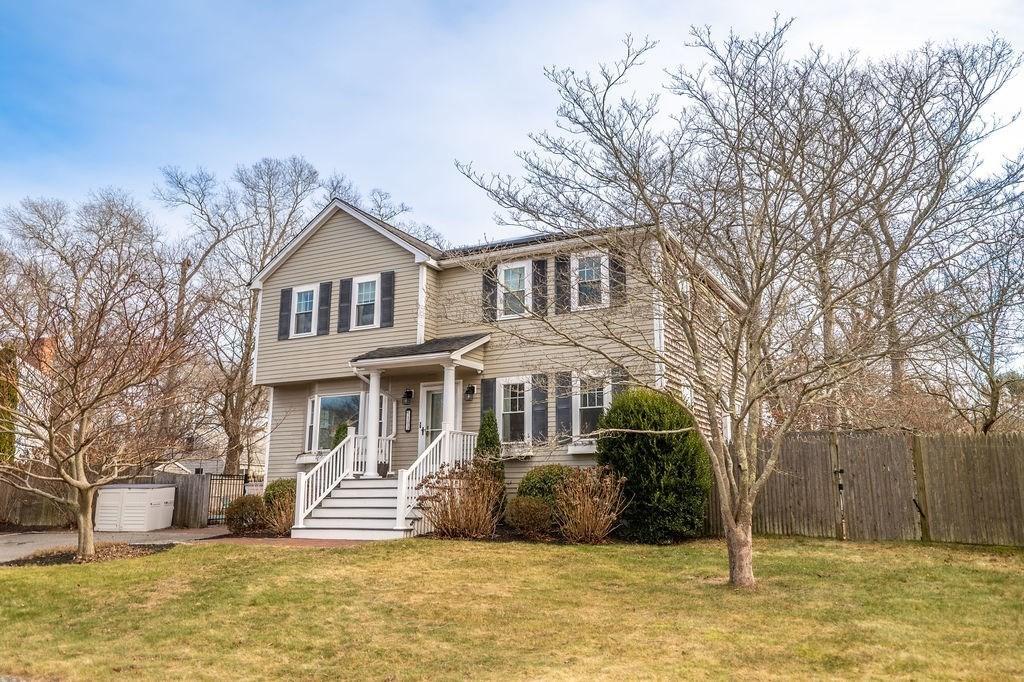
x=432, y=411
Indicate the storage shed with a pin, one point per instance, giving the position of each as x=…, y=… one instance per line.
x=134, y=507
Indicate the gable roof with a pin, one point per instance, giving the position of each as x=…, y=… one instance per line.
x=421, y=251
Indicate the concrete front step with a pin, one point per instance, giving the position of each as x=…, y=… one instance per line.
x=354, y=513
x=360, y=502
x=350, y=533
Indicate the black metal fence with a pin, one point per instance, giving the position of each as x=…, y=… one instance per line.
x=224, y=489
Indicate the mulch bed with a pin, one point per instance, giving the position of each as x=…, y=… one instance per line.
x=104, y=552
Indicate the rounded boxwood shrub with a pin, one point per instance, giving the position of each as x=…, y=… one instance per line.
x=543, y=482
x=531, y=517
x=246, y=515
x=668, y=475
x=281, y=489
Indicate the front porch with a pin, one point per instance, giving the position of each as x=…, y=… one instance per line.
x=347, y=494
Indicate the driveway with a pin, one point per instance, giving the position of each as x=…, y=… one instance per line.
x=19, y=545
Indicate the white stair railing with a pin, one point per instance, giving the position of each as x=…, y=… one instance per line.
x=313, y=486
x=451, y=448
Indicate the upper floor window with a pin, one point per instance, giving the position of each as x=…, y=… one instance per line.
x=514, y=423
x=304, y=304
x=590, y=286
x=514, y=294
x=366, y=306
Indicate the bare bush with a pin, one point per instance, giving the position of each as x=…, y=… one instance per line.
x=280, y=515
x=588, y=504
x=463, y=501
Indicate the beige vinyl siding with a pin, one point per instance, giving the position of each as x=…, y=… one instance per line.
x=342, y=247
x=288, y=421
x=459, y=311
x=681, y=367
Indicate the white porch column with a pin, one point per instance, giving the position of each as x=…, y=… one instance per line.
x=448, y=399
x=372, y=424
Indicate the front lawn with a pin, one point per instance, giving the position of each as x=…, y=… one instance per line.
x=433, y=609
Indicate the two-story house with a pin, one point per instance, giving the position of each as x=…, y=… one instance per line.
x=363, y=324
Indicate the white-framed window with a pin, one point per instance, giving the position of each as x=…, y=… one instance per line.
x=514, y=403
x=366, y=302
x=589, y=276
x=515, y=292
x=591, y=396
x=304, y=306
x=687, y=392
x=325, y=413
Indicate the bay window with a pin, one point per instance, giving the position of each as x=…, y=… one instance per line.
x=326, y=413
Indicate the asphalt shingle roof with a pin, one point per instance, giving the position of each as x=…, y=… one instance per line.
x=445, y=344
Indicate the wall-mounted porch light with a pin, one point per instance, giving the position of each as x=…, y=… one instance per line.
x=470, y=392
x=407, y=396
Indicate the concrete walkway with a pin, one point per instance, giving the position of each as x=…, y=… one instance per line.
x=19, y=545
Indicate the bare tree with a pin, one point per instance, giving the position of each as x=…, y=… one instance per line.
x=740, y=220
x=250, y=219
x=87, y=307
x=974, y=368
x=247, y=221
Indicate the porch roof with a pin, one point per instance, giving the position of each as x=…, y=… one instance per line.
x=453, y=346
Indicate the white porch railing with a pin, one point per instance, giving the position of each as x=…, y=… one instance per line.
x=359, y=467
x=313, y=486
x=451, y=448
x=384, y=447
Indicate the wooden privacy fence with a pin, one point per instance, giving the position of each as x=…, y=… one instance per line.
x=191, y=498
x=882, y=486
x=20, y=508
x=191, y=503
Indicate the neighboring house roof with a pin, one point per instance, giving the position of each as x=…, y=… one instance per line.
x=445, y=344
x=423, y=252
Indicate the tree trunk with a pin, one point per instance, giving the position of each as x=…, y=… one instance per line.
x=86, y=539
x=739, y=538
x=233, y=453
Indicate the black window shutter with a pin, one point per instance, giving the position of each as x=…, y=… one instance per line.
x=563, y=284
x=387, y=298
x=563, y=406
x=487, y=401
x=616, y=279
x=540, y=287
x=284, y=316
x=323, y=309
x=490, y=296
x=345, y=304
x=539, y=407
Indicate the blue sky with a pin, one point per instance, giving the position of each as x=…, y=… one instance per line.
x=390, y=93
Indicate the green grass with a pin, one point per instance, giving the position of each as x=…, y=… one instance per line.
x=433, y=609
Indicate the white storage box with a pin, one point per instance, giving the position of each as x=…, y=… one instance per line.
x=135, y=507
